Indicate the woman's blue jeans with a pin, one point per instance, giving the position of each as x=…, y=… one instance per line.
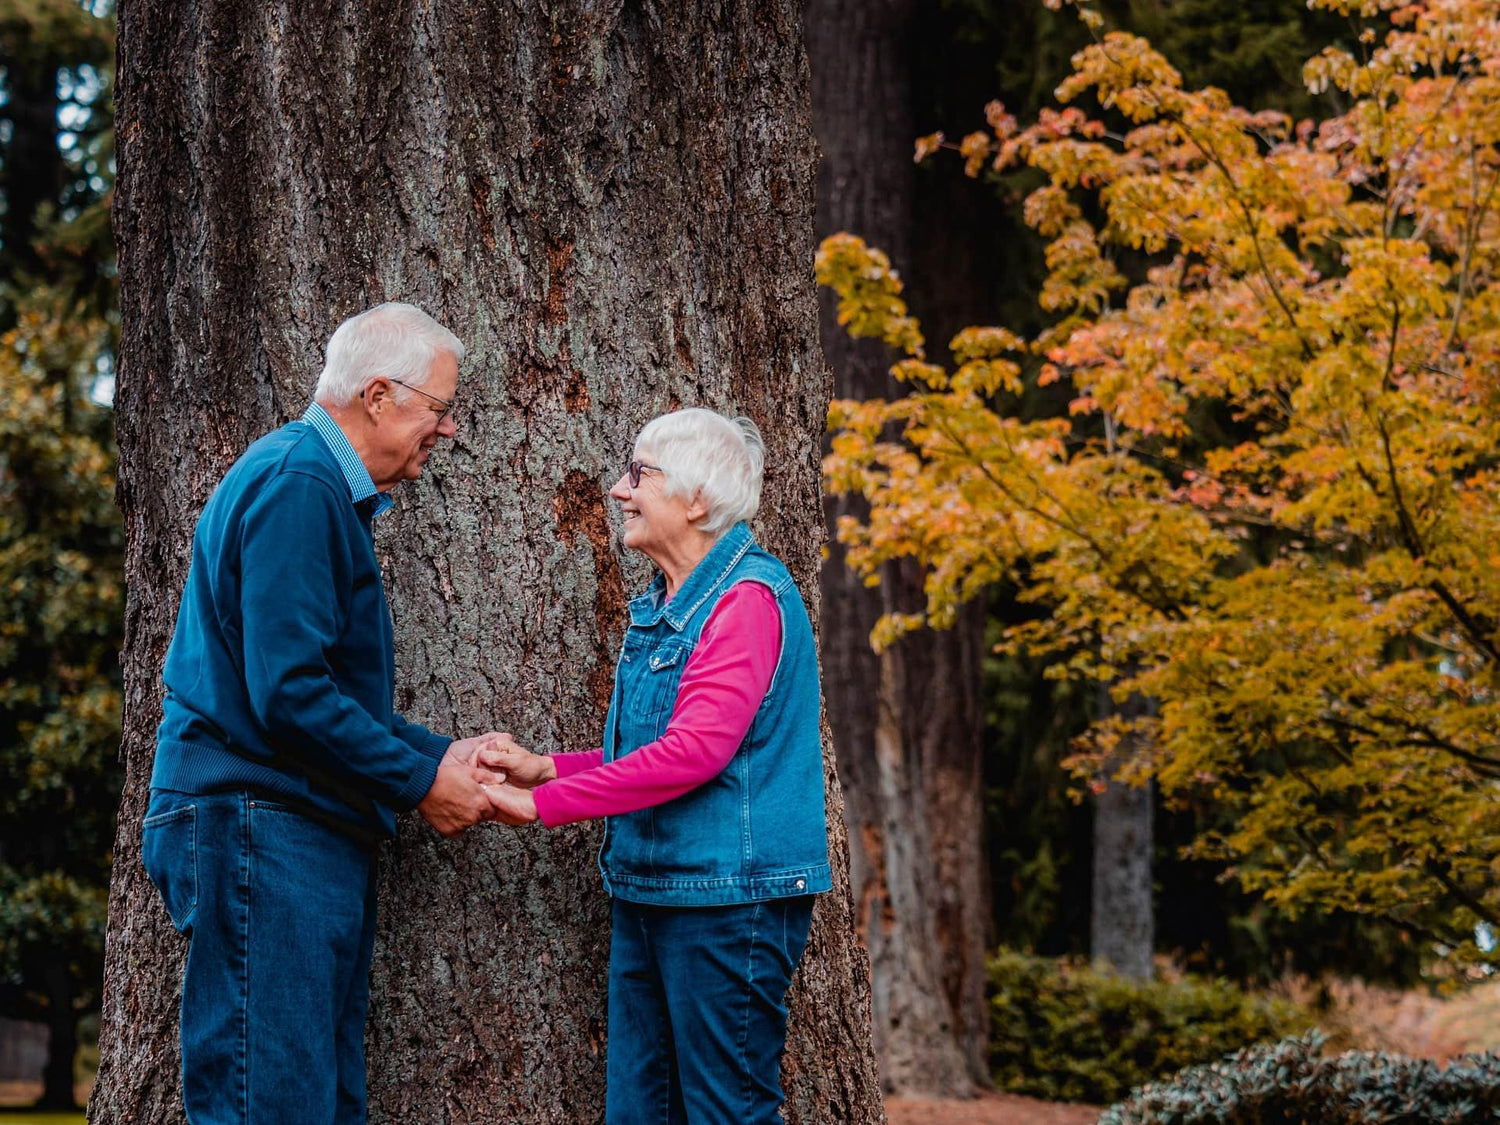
x=280, y=915
x=697, y=1011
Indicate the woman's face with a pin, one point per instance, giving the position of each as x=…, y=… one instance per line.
x=655, y=524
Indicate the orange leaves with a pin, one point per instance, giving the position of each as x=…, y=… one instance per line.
x=1080, y=276
x=981, y=370
x=1275, y=495
x=1127, y=74
x=928, y=145
x=869, y=292
x=975, y=149
x=1001, y=123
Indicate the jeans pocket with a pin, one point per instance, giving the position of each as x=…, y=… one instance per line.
x=169, y=852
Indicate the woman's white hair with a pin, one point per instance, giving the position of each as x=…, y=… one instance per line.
x=394, y=340
x=705, y=454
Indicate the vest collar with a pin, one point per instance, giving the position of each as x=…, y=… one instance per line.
x=707, y=576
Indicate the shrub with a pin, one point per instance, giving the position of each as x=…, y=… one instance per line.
x=1070, y=1032
x=1289, y=1083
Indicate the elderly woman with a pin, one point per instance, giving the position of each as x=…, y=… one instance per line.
x=710, y=783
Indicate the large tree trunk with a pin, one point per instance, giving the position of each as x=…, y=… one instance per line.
x=907, y=723
x=612, y=205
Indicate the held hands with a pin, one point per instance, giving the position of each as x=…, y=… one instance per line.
x=457, y=799
x=468, y=752
x=515, y=764
x=522, y=771
x=484, y=778
x=511, y=805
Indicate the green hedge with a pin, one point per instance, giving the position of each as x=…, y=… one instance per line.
x=1290, y=1083
x=1068, y=1032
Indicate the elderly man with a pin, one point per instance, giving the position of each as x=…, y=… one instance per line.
x=280, y=761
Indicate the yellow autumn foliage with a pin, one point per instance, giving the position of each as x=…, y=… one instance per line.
x=1313, y=601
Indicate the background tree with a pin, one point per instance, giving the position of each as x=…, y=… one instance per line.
x=60, y=538
x=609, y=203
x=1324, y=294
x=56, y=56
x=883, y=72
x=60, y=546
x=906, y=722
x=1067, y=878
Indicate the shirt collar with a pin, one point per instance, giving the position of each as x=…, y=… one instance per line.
x=362, y=488
x=707, y=576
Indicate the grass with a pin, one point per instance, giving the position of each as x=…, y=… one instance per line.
x=29, y=1117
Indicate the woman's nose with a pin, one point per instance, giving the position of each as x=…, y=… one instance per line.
x=621, y=490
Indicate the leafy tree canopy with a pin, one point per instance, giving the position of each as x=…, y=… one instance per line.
x=1274, y=506
x=61, y=543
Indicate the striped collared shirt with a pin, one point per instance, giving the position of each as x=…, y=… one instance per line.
x=361, y=485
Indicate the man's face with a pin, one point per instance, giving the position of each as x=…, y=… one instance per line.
x=407, y=430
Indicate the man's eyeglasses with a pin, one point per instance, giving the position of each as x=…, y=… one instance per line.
x=447, y=406
x=636, y=468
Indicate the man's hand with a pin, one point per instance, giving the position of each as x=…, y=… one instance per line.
x=457, y=799
x=510, y=805
x=465, y=752
x=515, y=764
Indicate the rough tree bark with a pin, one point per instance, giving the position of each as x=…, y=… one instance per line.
x=612, y=205
x=907, y=723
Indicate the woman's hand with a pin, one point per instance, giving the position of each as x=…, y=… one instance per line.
x=510, y=805
x=519, y=765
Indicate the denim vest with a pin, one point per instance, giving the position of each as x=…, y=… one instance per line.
x=757, y=830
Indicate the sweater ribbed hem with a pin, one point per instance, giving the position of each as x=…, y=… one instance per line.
x=434, y=746
x=205, y=767
x=420, y=782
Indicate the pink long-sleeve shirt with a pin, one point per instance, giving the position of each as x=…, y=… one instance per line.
x=722, y=686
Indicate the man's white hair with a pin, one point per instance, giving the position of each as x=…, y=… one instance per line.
x=394, y=340
x=703, y=453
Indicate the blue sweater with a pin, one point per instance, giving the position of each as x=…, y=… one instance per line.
x=281, y=671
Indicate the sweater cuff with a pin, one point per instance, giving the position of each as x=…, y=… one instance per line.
x=567, y=765
x=435, y=745
x=547, y=810
x=418, y=784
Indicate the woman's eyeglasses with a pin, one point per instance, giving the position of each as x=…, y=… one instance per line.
x=636, y=468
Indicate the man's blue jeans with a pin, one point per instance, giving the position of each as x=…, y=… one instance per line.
x=280, y=915
x=697, y=1011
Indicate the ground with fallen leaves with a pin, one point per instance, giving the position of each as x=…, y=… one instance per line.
x=988, y=1109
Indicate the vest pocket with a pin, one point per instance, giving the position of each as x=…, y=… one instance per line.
x=650, y=693
x=665, y=658
x=169, y=853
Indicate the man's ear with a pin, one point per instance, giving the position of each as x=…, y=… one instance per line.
x=377, y=396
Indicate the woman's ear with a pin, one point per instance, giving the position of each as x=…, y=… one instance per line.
x=697, y=509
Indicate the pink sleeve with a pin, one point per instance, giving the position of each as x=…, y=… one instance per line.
x=722, y=687
x=569, y=764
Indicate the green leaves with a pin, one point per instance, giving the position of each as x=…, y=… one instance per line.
x=1068, y=1031
x=61, y=573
